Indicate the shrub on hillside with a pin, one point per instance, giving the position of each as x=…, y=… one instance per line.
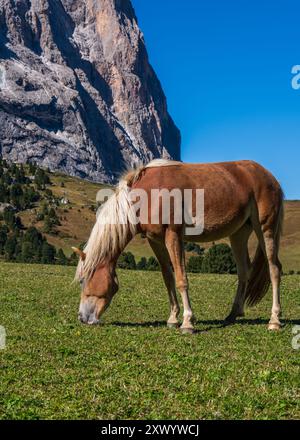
x=152, y=264
x=48, y=253
x=61, y=259
x=142, y=264
x=194, y=264
x=219, y=259
x=127, y=261
x=194, y=247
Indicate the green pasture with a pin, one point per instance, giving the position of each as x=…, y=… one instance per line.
x=134, y=367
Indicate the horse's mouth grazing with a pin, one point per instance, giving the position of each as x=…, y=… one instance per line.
x=91, y=320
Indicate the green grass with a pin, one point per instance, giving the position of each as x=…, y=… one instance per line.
x=133, y=366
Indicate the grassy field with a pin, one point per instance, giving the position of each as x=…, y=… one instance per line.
x=132, y=366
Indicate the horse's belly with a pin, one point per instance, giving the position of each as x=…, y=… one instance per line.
x=218, y=225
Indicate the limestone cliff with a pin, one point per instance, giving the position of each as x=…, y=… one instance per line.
x=77, y=92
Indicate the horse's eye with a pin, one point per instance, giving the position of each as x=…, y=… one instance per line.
x=81, y=281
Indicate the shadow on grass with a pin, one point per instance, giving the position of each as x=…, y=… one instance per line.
x=139, y=324
x=261, y=321
x=212, y=324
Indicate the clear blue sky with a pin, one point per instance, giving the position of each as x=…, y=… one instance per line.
x=225, y=67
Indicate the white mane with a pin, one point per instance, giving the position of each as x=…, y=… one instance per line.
x=116, y=220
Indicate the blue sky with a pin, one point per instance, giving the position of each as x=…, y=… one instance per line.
x=225, y=67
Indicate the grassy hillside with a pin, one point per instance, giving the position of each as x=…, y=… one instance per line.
x=76, y=217
x=291, y=237
x=133, y=366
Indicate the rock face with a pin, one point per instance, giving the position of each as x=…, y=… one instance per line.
x=77, y=93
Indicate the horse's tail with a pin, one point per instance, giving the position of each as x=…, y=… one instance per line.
x=259, y=282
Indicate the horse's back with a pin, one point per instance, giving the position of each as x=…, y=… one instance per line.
x=231, y=190
x=244, y=173
x=239, y=176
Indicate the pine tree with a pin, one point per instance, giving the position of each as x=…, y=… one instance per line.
x=30, y=196
x=53, y=216
x=3, y=238
x=18, y=224
x=48, y=253
x=16, y=194
x=8, y=217
x=27, y=252
x=194, y=247
x=7, y=179
x=194, y=264
x=18, y=252
x=32, y=235
x=13, y=169
x=10, y=247
x=32, y=168
x=142, y=264
x=4, y=193
x=48, y=225
x=41, y=178
x=61, y=258
x=219, y=259
x=152, y=264
x=20, y=175
x=127, y=261
x=73, y=260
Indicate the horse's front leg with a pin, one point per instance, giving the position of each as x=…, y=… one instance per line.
x=161, y=253
x=174, y=243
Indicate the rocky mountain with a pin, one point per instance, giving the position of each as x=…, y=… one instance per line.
x=77, y=92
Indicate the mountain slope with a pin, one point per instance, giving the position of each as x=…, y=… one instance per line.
x=77, y=92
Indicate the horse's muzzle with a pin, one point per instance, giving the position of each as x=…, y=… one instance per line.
x=91, y=320
x=91, y=309
x=88, y=311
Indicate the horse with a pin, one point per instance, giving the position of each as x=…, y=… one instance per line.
x=241, y=197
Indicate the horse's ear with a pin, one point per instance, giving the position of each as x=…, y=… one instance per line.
x=80, y=253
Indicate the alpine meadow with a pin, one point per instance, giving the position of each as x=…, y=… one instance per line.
x=149, y=218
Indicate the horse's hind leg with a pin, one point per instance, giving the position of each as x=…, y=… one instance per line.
x=268, y=235
x=272, y=249
x=161, y=252
x=239, y=245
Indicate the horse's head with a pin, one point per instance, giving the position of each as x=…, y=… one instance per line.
x=97, y=291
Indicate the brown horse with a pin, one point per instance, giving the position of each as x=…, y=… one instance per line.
x=240, y=197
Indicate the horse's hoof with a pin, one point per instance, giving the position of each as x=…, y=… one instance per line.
x=232, y=318
x=172, y=324
x=229, y=321
x=274, y=326
x=187, y=331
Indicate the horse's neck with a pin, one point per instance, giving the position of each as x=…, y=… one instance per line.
x=120, y=249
